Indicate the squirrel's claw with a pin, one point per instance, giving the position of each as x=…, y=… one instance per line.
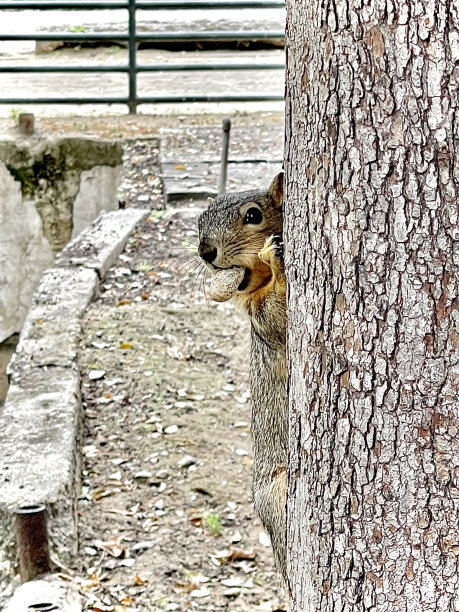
x=272, y=250
x=272, y=254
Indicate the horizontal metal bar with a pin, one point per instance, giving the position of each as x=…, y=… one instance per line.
x=158, y=37
x=148, y=100
x=211, y=4
x=123, y=4
x=52, y=6
x=35, y=69
x=207, y=67
x=144, y=68
x=211, y=35
x=67, y=36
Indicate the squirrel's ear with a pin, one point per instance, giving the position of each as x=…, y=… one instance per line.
x=210, y=200
x=276, y=189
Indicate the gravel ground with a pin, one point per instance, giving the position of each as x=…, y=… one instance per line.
x=166, y=518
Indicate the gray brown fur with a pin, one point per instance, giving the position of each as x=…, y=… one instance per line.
x=254, y=247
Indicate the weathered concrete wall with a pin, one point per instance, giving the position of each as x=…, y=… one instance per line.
x=49, y=191
x=24, y=253
x=98, y=191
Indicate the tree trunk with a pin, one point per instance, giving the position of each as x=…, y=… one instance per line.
x=372, y=255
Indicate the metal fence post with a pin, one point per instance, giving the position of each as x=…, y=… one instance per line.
x=132, y=59
x=226, y=127
x=32, y=541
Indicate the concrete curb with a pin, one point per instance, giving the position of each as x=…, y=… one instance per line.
x=98, y=247
x=40, y=421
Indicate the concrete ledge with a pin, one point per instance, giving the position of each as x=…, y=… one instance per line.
x=40, y=421
x=39, y=462
x=50, y=333
x=99, y=246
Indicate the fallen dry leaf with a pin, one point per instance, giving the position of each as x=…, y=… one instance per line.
x=238, y=554
x=113, y=547
x=125, y=345
x=139, y=581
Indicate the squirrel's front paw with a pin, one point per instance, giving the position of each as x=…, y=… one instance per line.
x=272, y=252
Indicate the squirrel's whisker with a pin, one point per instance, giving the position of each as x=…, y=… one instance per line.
x=193, y=269
x=188, y=262
x=197, y=278
x=195, y=244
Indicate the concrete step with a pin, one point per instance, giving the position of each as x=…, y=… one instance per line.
x=190, y=159
x=199, y=180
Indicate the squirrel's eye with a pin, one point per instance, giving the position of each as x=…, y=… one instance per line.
x=254, y=216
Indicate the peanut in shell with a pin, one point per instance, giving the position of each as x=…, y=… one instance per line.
x=224, y=284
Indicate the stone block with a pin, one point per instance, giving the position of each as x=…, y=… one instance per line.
x=200, y=179
x=98, y=247
x=39, y=459
x=49, y=190
x=24, y=253
x=50, y=333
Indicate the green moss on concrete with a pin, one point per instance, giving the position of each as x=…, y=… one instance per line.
x=44, y=173
x=49, y=173
x=84, y=154
x=48, y=161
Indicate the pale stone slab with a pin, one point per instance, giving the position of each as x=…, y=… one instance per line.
x=100, y=244
x=39, y=459
x=200, y=180
x=50, y=589
x=24, y=253
x=98, y=192
x=50, y=333
x=49, y=190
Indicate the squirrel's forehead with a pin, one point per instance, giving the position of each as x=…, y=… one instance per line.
x=220, y=210
x=217, y=218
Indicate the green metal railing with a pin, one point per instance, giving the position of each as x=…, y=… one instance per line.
x=132, y=37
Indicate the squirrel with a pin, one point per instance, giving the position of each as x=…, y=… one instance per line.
x=242, y=232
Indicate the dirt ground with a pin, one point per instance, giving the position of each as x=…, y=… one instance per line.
x=166, y=519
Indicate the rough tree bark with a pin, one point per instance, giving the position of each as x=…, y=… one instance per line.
x=372, y=256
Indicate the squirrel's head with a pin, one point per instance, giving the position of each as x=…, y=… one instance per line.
x=234, y=228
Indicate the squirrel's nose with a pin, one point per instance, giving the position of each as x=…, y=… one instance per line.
x=208, y=253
